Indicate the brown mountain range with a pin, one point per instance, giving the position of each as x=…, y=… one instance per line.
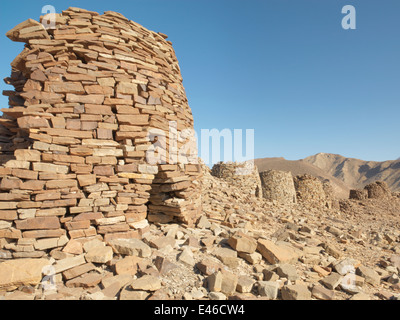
x=343, y=173
x=357, y=173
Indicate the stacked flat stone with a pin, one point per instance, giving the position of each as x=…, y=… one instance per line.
x=90, y=95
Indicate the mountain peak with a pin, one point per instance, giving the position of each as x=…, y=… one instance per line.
x=357, y=173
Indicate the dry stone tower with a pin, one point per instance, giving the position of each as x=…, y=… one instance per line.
x=98, y=137
x=376, y=190
x=311, y=191
x=278, y=186
x=359, y=194
x=243, y=175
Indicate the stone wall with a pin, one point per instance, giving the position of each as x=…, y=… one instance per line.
x=278, y=186
x=93, y=97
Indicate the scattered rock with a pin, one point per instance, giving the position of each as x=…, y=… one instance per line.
x=360, y=296
x=243, y=243
x=209, y=267
x=346, y=266
x=245, y=284
x=268, y=289
x=131, y=247
x=229, y=283
x=88, y=280
x=393, y=279
x=270, y=275
x=164, y=266
x=24, y=272
x=385, y=295
x=196, y=294
x=69, y=263
x=332, y=251
x=146, y=283
x=276, y=254
x=295, y=292
x=73, y=247
x=128, y=265
x=332, y=281
x=333, y=230
x=99, y=254
x=214, y=282
x=252, y=258
x=227, y=256
x=370, y=275
x=203, y=223
x=162, y=242
x=122, y=280
x=187, y=296
x=323, y=272
x=225, y=282
x=128, y=294
x=287, y=271
x=187, y=257
x=78, y=271
x=323, y=293
x=217, y=296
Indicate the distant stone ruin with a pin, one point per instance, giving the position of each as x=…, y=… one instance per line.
x=278, y=186
x=311, y=190
x=243, y=175
x=376, y=190
x=359, y=194
x=92, y=97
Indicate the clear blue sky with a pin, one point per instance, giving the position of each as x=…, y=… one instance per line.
x=284, y=68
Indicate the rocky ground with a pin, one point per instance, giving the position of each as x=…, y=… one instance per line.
x=241, y=248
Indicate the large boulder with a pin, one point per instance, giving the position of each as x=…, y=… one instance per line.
x=22, y=272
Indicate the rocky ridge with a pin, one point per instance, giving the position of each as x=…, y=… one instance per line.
x=357, y=173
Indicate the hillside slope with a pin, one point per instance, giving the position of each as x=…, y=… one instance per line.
x=357, y=173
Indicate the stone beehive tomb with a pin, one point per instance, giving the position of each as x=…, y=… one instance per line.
x=243, y=175
x=376, y=190
x=312, y=191
x=278, y=186
x=92, y=96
